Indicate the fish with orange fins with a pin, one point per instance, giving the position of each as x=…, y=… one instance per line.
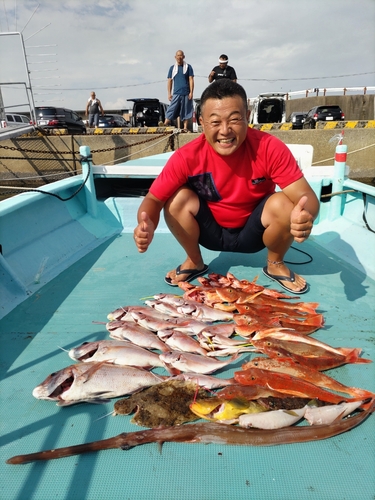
x=284, y=382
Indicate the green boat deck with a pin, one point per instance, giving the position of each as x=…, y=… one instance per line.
x=68, y=310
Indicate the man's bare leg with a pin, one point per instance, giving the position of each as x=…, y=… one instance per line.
x=278, y=239
x=179, y=214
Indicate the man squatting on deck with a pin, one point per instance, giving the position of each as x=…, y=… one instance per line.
x=218, y=191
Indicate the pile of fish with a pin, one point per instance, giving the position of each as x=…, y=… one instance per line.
x=189, y=335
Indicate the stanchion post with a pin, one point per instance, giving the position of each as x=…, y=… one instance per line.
x=337, y=201
x=86, y=161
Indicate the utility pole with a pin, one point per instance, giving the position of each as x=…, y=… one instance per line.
x=2, y=110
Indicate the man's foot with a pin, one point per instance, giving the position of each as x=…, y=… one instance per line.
x=286, y=278
x=184, y=274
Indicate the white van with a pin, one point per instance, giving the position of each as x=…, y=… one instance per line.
x=14, y=120
x=268, y=108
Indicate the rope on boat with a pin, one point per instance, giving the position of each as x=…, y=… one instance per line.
x=348, y=153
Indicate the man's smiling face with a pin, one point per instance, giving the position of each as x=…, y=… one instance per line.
x=225, y=123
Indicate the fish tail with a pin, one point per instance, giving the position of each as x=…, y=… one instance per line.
x=353, y=357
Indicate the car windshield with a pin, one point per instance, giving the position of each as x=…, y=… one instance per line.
x=46, y=112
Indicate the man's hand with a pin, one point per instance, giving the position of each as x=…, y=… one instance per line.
x=301, y=221
x=144, y=233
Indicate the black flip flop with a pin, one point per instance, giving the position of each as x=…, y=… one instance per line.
x=290, y=278
x=192, y=274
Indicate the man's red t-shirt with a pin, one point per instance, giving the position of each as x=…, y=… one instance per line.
x=232, y=185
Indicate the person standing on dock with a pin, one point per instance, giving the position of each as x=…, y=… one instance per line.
x=219, y=192
x=181, y=78
x=92, y=110
x=223, y=70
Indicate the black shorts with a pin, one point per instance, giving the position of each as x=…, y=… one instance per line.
x=246, y=239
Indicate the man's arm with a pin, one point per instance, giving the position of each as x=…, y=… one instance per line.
x=306, y=208
x=169, y=88
x=148, y=219
x=87, y=108
x=211, y=76
x=191, y=86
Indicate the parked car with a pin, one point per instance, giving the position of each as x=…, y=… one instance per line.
x=323, y=113
x=147, y=112
x=111, y=121
x=196, y=126
x=49, y=118
x=296, y=119
x=268, y=108
x=15, y=120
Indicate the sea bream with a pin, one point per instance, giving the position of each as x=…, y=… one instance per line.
x=187, y=362
x=122, y=330
x=94, y=383
x=116, y=352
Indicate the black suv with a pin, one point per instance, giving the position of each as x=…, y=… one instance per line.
x=296, y=119
x=110, y=121
x=48, y=117
x=147, y=112
x=323, y=113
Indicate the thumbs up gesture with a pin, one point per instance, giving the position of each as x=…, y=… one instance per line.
x=301, y=221
x=144, y=232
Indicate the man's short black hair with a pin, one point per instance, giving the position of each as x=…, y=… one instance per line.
x=224, y=57
x=220, y=89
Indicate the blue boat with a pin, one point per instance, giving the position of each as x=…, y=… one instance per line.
x=68, y=259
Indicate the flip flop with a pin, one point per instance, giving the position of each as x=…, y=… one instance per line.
x=290, y=278
x=192, y=274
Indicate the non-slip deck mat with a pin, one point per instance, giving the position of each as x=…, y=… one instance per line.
x=62, y=315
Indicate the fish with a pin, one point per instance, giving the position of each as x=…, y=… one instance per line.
x=250, y=392
x=206, y=381
x=179, y=341
x=94, y=382
x=165, y=308
x=123, y=313
x=304, y=350
x=277, y=419
x=287, y=365
x=328, y=414
x=205, y=433
x=187, y=362
x=225, y=411
x=164, y=404
x=283, y=382
x=205, y=312
x=182, y=324
x=122, y=330
x=118, y=353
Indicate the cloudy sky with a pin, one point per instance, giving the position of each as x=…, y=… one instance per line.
x=123, y=48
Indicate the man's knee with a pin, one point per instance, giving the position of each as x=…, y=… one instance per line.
x=184, y=199
x=278, y=207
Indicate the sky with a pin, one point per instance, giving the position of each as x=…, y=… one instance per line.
x=123, y=49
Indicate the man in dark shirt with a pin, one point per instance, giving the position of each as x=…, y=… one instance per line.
x=223, y=70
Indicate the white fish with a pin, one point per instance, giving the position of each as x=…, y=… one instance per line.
x=122, y=330
x=187, y=362
x=165, y=308
x=116, y=352
x=201, y=311
x=123, y=313
x=271, y=419
x=169, y=298
x=181, y=342
x=327, y=414
x=206, y=381
x=94, y=382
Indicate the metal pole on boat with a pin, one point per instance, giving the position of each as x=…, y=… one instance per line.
x=86, y=161
x=337, y=201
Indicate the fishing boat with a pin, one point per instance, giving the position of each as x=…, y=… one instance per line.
x=68, y=258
